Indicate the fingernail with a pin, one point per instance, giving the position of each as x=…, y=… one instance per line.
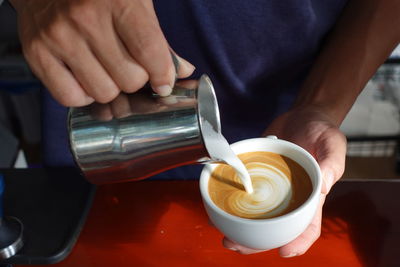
x=163, y=90
x=293, y=254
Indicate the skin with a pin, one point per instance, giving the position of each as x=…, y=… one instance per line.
x=360, y=42
x=65, y=45
x=94, y=67
x=125, y=105
x=314, y=131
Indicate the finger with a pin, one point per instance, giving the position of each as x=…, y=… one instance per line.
x=89, y=72
x=147, y=45
x=303, y=242
x=239, y=248
x=57, y=78
x=184, y=68
x=331, y=157
x=111, y=52
x=120, y=106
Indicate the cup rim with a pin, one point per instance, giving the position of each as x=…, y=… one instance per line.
x=204, y=178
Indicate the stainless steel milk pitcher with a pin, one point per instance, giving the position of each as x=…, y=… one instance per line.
x=141, y=134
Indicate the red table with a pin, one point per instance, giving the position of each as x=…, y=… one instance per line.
x=163, y=223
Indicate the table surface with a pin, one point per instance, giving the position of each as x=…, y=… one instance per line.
x=163, y=223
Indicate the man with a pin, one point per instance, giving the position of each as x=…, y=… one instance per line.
x=294, y=66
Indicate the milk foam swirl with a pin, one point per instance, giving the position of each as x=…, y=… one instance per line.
x=272, y=192
x=280, y=186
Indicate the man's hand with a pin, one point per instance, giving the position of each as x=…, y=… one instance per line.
x=125, y=105
x=313, y=130
x=86, y=50
x=338, y=75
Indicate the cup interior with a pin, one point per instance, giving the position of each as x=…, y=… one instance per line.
x=285, y=148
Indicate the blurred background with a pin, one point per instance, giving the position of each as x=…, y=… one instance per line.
x=19, y=100
x=372, y=126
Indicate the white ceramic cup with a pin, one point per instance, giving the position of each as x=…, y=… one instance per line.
x=273, y=232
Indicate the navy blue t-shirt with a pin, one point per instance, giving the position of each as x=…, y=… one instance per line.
x=257, y=54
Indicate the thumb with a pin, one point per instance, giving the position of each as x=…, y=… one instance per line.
x=331, y=157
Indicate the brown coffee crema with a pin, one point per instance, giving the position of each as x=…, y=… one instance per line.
x=280, y=185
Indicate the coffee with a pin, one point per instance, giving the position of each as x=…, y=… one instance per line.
x=280, y=185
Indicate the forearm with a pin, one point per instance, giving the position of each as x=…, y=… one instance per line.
x=362, y=39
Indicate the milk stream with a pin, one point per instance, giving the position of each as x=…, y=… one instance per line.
x=218, y=148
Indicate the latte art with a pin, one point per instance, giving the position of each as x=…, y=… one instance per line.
x=272, y=192
x=276, y=181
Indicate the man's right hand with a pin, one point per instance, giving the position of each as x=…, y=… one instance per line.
x=90, y=50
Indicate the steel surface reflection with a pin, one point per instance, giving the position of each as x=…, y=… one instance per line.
x=141, y=134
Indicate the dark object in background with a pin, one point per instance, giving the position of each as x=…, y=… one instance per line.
x=9, y=146
x=53, y=209
x=11, y=230
x=19, y=96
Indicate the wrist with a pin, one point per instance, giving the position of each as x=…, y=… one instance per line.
x=333, y=111
x=329, y=102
